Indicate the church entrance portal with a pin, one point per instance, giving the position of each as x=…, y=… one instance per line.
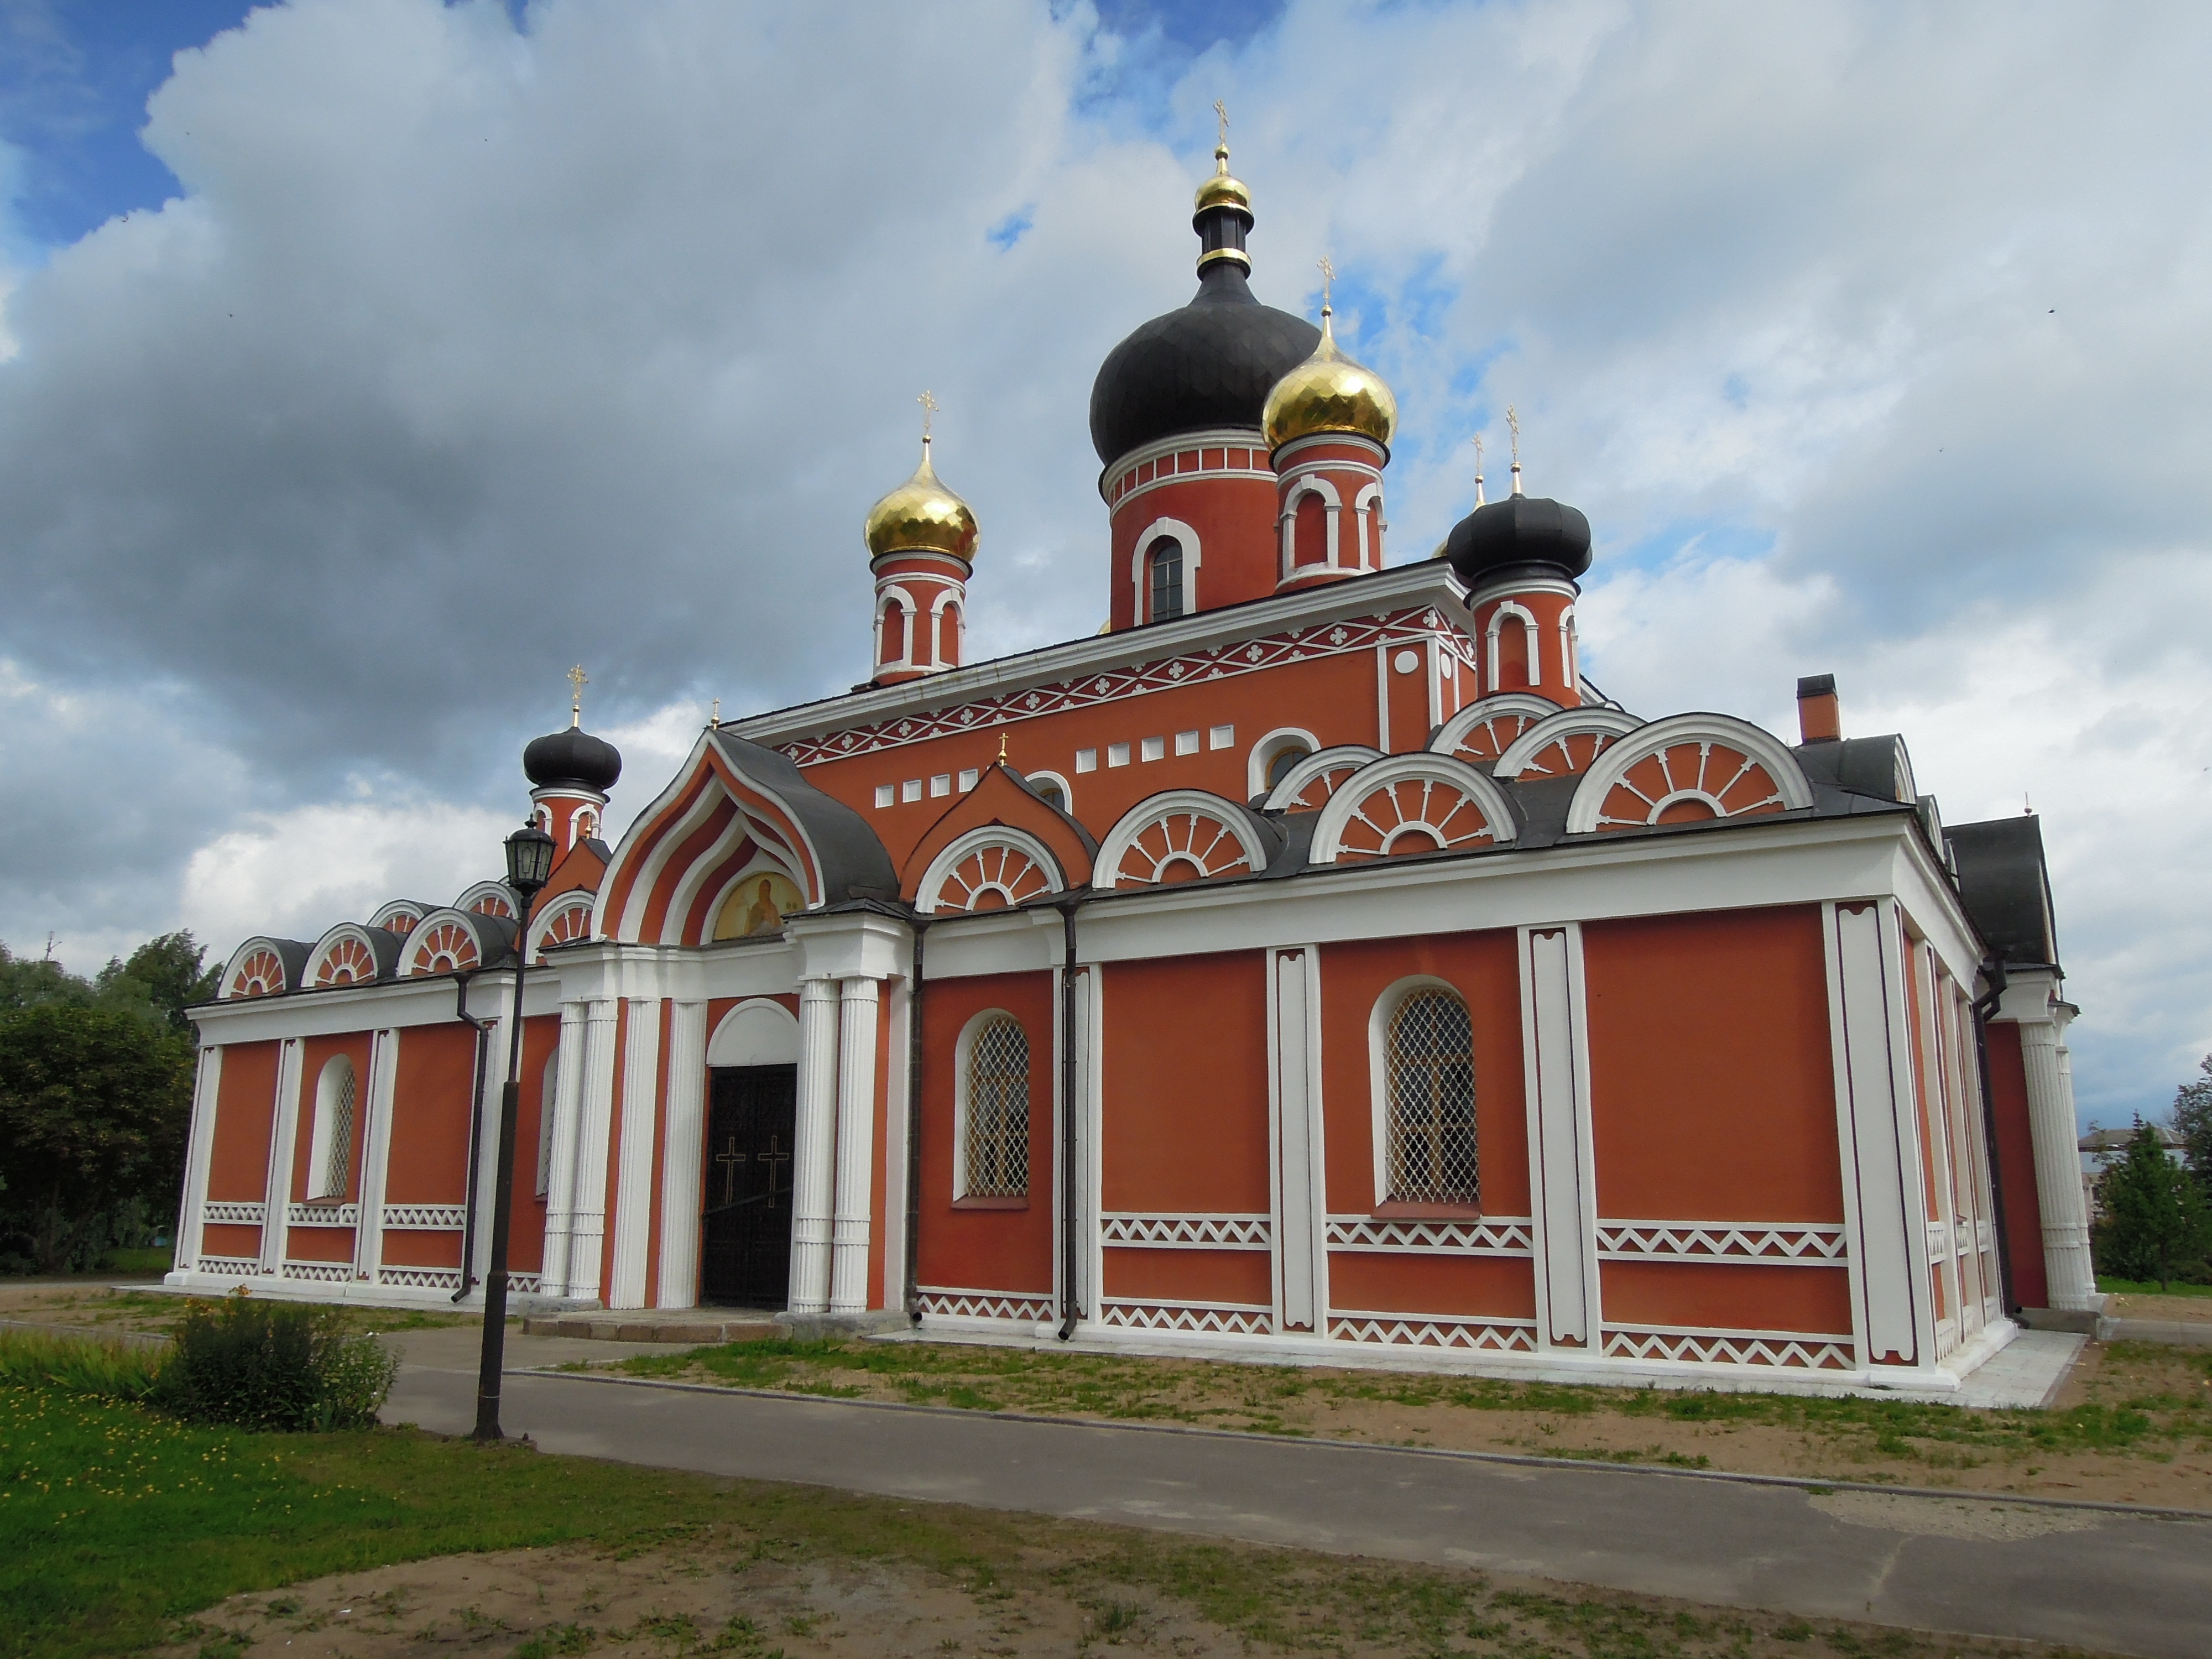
x=745, y=1256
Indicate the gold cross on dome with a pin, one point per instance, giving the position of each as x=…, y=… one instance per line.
x=577, y=679
x=1478, y=455
x=929, y=413
x=1513, y=422
x=1328, y=276
x=1221, y=111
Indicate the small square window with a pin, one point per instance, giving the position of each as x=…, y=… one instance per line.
x=1221, y=736
x=886, y=793
x=1155, y=749
x=1086, y=760
x=1186, y=743
x=968, y=778
x=941, y=785
x=1118, y=754
x=910, y=790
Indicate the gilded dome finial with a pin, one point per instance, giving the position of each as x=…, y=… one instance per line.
x=1513, y=424
x=1222, y=190
x=1329, y=392
x=921, y=515
x=1478, y=469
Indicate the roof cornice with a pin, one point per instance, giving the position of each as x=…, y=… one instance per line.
x=1430, y=581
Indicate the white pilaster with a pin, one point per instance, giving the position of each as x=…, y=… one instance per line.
x=1301, y=1259
x=191, y=1213
x=2050, y=1126
x=494, y=1041
x=1562, y=1172
x=813, y=1176
x=896, y=1036
x=587, y=1221
x=376, y=1153
x=284, y=1132
x=858, y=1006
x=634, y=1178
x=1884, y=1194
x=560, y=1178
x=683, y=1139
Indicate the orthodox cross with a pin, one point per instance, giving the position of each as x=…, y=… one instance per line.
x=1221, y=111
x=1328, y=276
x=1513, y=422
x=577, y=679
x=929, y=413
x=716, y=717
x=729, y=1159
x=773, y=1156
x=1478, y=468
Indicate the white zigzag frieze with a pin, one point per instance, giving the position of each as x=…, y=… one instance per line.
x=1505, y=1235
x=523, y=1284
x=436, y=1279
x=1478, y=1334
x=425, y=1218
x=1087, y=690
x=982, y=1305
x=323, y=1215
x=235, y=1215
x=1723, y=1240
x=1217, y=1232
x=1233, y=1319
x=233, y=1267
x=324, y=1273
x=1791, y=1348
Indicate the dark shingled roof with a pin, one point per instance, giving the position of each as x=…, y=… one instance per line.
x=573, y=757
x=2005, y=887
x=1210, y=364
x=854, y=864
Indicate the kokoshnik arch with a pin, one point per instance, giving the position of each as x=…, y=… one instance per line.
x=1312, y=962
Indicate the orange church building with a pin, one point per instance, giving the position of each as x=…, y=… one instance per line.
x=1313, y=964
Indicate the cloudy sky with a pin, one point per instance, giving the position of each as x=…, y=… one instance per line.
x=363, y=363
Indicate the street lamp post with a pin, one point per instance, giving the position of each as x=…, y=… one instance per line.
x=529, y=864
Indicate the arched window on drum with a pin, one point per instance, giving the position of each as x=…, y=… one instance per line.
x=1429, y=1150
x=1163, y=570
x=994, y=1155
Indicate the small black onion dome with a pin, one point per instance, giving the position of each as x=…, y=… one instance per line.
x=1519, y=529
x=1210, y=364
x=573, y=757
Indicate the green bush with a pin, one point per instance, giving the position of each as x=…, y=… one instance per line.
x=272, y=1366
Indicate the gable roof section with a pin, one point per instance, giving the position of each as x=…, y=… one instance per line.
x=2004, y=882
x=1003, y=796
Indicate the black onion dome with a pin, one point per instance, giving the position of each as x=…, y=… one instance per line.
x=573, y=757
x=1210, y=364
x=1519, y=529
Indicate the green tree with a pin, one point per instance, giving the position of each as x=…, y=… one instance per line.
x=173, y=972
x=2155, y=1216
x=95, y=1103
x=2192, y=1120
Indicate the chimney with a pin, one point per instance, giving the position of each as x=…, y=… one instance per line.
x=1820, y=717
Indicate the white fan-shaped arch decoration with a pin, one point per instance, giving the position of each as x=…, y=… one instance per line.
x=443, y=942
x=564, y=919
x=992, y=867
x=400, y=917
x=1405, y=804
x=1687, y=768
x=1563, y=743
x=487, y=898
x=345, y=956
x=1315, y=778
x=1484, y=730
x=256, y=969
x=1178, y=835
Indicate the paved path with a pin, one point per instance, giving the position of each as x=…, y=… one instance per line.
x=2112, y=1581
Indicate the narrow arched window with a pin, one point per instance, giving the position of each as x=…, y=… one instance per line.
x=1514, y=667
x=547, y=1091
x=1165, y=561
x=1309, y=530
x=1430, y=1057
x=330, y=1152
x=894, y=633
x=1280, y=763
x=1048, y=790
x=996, y=1156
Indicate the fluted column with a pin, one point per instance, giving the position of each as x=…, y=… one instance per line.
x=284, y=1128
x=813, y=1175
x=2065, y=1215
x=684, y=1138
x=587, y=1222
x=634, y=1176
x=560, y=1171
x=857, y=1004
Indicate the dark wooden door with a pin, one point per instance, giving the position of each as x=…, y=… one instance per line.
x=751, y=1129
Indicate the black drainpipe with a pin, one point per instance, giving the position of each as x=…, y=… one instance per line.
x=1985, y=1007
x=476, y=1130
x=913, y=1297
x=1070, y=1312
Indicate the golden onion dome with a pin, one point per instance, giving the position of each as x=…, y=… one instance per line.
x=1222, y=189
x=922, y=516
x=1329, y=392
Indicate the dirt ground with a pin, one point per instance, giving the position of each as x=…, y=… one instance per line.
x=532, y=1603
x=2196, y=1309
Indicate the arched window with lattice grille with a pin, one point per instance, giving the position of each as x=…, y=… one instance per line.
x=995, y=1114
x=1429, y=1151
x=330, y=1152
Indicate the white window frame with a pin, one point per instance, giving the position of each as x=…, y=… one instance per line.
x=1506, y=608
x=1394, y=997
x=1262, y=755
x=340, y=1067
x=1140, y=570
x=963, y=1052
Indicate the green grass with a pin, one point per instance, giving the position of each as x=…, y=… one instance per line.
x=158, y=1259
x=2149, y=1287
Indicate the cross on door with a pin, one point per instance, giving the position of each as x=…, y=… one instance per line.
x=729, y=1158
x=772, y=1157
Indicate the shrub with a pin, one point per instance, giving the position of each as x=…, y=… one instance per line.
x=273, y=1365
